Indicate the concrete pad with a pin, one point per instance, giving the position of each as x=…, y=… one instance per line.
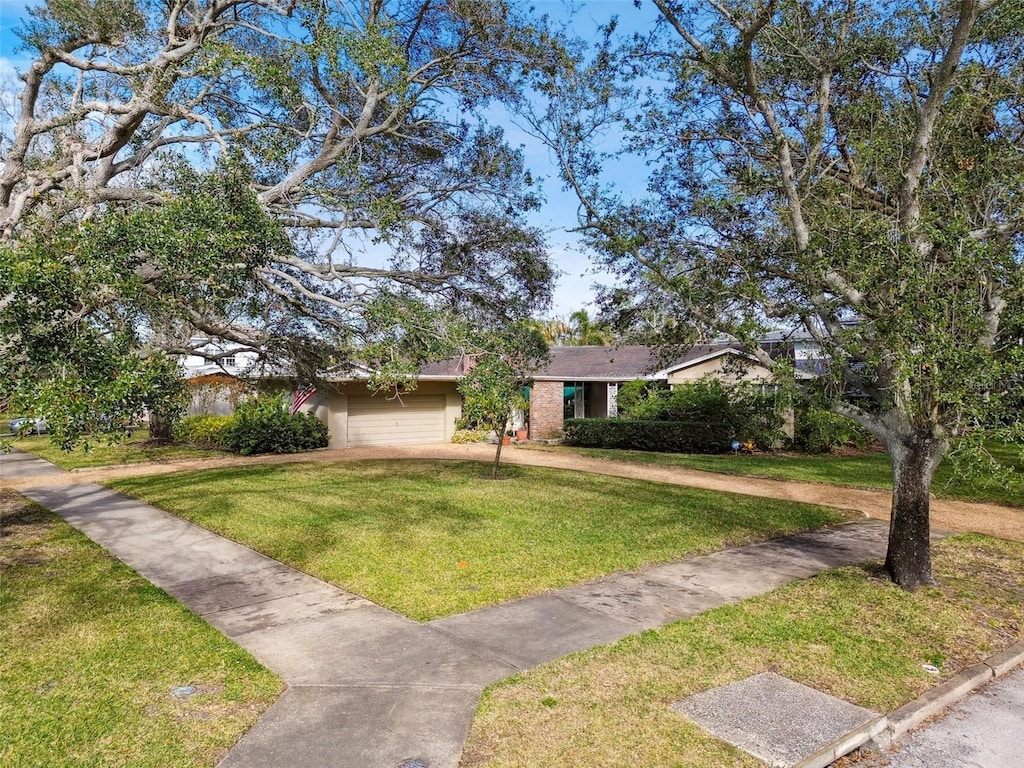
x=773, y=718
x=371, y=727
x=528, y=632
x=370, y=646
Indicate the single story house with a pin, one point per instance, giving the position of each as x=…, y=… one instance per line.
x=583, y=382
x=576, y=382
x=358, y=417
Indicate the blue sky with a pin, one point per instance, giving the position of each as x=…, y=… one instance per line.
x=557, y=217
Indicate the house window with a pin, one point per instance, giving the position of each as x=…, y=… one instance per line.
x=229, y=361
x=613, y=400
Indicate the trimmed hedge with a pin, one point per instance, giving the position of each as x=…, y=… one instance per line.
x=655, y=436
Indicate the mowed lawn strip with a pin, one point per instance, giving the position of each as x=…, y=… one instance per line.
x=867, y=470
x=846, y=632
x=91, y=654
x=134, y=451
x=434, y=538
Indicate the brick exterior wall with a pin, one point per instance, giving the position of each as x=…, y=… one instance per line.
x=546, y=410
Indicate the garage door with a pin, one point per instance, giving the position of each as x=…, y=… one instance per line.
x=378, y=421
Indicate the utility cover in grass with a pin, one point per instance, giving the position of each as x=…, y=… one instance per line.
x=772, y=718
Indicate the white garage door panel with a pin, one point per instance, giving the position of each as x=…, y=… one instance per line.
x=378, y=421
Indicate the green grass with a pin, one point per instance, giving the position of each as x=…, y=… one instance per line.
x=847, y=632
x=90, y=654
x=869, y=470
x=434, y=538
x=134, y=451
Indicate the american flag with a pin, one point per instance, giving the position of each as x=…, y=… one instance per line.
x=301, y=396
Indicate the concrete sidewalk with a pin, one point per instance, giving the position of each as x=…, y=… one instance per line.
x=370, y=688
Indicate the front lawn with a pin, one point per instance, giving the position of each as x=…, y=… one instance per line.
x=868, y=470
x=91, y=656
x=848, y=632
x=433, y=538
x=136, y=450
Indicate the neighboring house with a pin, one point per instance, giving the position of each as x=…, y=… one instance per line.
x=583, y=382
x=218, y=357
x=212, y=374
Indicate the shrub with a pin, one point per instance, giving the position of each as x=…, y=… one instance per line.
x=263, y=425
x=206, y=431
x=656, y=436
x=741, y=411
x=471, y=436
x=643, y=401
x=819, y=431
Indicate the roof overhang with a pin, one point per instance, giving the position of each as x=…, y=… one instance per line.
x=664, y=373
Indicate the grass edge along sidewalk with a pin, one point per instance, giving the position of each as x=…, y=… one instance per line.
x=136, y=450
x=101, y=667
x=847, y=632
x=432, y=538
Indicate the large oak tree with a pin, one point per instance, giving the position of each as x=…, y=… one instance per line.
x=851, y=168
x=353, y=136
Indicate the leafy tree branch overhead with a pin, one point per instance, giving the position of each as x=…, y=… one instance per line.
x=851, y=168
x=353, y=136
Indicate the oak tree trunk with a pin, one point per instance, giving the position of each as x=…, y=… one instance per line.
x=159, y=428
x=908, y=560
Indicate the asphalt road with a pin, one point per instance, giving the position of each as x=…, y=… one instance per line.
x=984, y=730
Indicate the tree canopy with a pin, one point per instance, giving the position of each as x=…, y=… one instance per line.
x=852, y=169
x=369, y=199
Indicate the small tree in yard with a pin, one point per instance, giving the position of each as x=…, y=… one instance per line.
x=853, y=169
x=493, y=389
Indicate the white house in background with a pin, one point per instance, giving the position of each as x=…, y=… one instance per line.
x=212, y=356
x=212, y=373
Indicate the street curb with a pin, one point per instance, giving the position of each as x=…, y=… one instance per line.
x=954, y=689
x=844, y=745
x=879, y=733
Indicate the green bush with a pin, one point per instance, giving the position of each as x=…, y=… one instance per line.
x=655, y=436
x=471, y=436
x=740, y=411
x=263, y=425
x=206, y=431
x=819, y=431
x=643, y=401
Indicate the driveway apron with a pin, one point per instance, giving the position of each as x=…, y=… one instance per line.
x=368, y=688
